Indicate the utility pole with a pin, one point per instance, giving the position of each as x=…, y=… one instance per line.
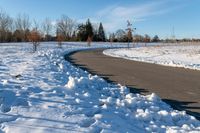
x=129, y=32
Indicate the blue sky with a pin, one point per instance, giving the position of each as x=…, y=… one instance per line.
x=153, y=17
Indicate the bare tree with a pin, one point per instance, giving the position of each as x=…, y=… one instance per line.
x=35, y=38
x=66, y=26
x=5, y=25
x=36, y=25
x=121, y=35
x=111, y=38
x=47, y=28
x=147, y=38
x=22, y=24
x=138, y=38
x=129, y=32
x=5, y=21
x=35, y=35
x=60, y=39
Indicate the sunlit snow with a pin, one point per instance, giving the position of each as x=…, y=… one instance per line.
x=187, y=56
x=42, y=92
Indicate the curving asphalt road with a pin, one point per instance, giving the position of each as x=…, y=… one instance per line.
x=178, y=87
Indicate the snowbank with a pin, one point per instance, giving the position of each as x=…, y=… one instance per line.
x=187, y=56
x=41, y=92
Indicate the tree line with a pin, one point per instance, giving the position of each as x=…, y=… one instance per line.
x=123, y=36
x=22, y=29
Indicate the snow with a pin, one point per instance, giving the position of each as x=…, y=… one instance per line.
x=42, y=92
x=186, y=56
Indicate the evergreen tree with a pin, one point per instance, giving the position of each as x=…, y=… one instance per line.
x=81, y=35
x=101, y=33
x=95, y=36
x=89, y=29
x=85, y=31
x=155, y=39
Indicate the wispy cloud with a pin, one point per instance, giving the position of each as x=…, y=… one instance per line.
x=138, y=11
x=115, y=16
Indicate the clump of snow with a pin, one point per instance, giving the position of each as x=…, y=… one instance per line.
x=153, y=97
x=71, y=83
x=187, y=56
x=52, y=95
x=4, y=82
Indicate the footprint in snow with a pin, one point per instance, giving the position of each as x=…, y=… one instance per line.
x=87, y=122
x=92, y=112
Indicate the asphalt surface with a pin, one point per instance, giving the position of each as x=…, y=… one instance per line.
x=179, y=87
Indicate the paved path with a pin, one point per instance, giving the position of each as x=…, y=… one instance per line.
x=178, y=87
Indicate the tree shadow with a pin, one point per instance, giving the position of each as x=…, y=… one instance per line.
x=106, y=77
x=36, y=126
x=85, y=68
x=175, y=104
x=184, y=105
x=134, y=89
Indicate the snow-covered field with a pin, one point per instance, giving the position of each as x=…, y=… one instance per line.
x=187, y=56
x=41, y=92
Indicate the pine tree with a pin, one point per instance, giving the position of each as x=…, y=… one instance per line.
x=89, y=29
x=81, y=35
x=155, y=39
x=101, y=33
x=85, y=31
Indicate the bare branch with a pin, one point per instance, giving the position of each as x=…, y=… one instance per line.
x=66, y=26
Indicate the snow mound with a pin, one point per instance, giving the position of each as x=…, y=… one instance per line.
x=52, y=95
x=187, y=56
